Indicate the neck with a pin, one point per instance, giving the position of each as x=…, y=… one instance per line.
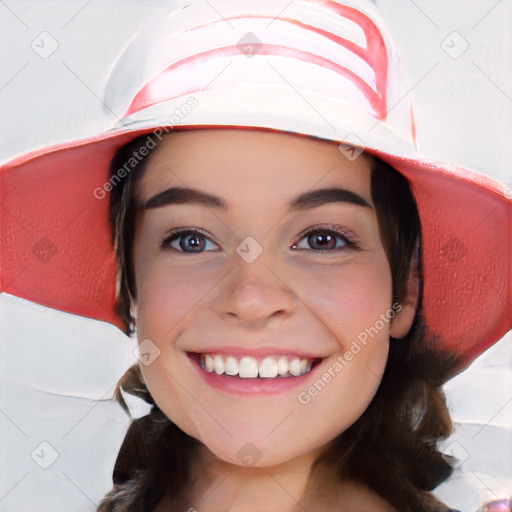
x=234, y=488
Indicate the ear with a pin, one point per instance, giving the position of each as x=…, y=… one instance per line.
x=402, y=321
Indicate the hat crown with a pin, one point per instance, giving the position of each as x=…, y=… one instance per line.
x=256, y=50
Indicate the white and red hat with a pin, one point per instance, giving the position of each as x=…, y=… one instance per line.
x=323, y=69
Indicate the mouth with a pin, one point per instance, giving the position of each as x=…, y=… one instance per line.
x=249, y=367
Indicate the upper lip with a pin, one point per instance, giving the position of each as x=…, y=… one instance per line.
x=256, y=352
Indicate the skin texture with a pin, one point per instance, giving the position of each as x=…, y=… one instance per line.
x=291, y=297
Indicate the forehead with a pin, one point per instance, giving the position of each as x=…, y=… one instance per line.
x=251, y=166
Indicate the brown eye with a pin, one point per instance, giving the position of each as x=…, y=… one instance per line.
x=322, y=240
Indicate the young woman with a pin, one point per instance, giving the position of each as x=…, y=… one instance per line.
x=335, y=278
x=294, y=272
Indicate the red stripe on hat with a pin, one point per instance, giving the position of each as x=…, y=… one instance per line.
x=150, y=95
x=375, y=55
x=377, y=51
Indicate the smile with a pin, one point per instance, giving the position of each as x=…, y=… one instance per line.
x=248, y=367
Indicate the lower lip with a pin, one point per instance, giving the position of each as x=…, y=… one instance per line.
x=251, y=386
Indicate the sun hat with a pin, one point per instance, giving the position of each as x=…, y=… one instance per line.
x=323, y=69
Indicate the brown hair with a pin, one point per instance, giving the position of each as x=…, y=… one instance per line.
x=391, y=448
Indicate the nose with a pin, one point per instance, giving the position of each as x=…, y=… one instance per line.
x=254, y=293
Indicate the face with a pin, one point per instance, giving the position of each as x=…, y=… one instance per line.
x=266, y=303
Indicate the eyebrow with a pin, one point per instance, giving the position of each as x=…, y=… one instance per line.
x=305, y=201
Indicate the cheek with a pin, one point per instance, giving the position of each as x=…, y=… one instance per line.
x=350, y=303
x=348, y=299
x=166, y=293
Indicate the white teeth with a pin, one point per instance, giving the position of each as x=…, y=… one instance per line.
x=268, y=368
x=294, y=367
x=282, y=366
x=248, y=367
x=208, y=364
x=231, y=366
x=218, y=364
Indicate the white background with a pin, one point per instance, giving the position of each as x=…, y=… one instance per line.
x=58, y=372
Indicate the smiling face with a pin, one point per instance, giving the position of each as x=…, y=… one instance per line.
x=258, y=308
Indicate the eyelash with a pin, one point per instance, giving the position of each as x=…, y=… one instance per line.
x=348, y=238
x=339, y=231
x=178, y=233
